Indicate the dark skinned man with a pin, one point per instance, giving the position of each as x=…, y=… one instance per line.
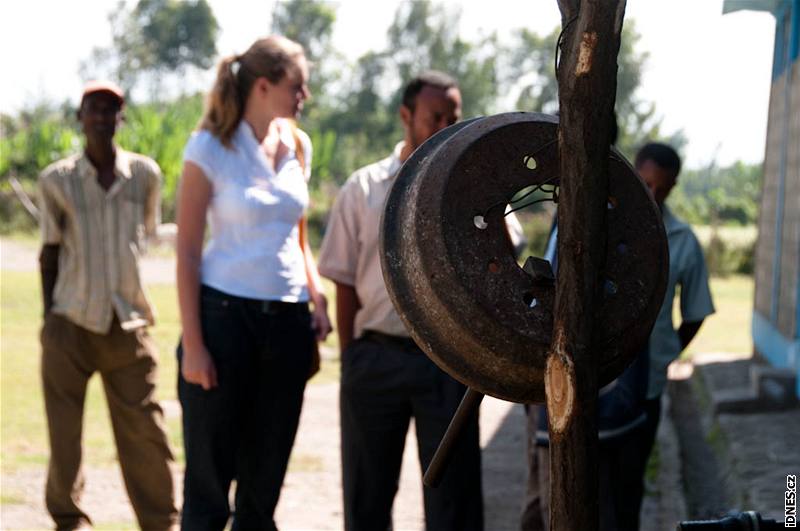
x=98, y=209
x=386, y=379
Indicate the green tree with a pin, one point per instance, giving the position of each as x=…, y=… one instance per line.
x=156, y=38
x=36, y=137
x=715, y=195
x=529, y=72
x=309, y=22
x=174, y=34
x=423, y=35
x=426, y=35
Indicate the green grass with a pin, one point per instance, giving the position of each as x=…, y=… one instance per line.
x=733, y=236
x=652, y=470
x=727, y=330
x=22, y=426
x=23, y=432
x=23, y=435
x=10, y=498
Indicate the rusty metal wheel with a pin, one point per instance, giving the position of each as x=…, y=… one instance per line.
x=458, y=288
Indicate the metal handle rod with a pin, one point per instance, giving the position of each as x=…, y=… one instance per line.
x=468, y=406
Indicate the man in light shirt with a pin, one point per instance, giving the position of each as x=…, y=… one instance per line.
x=97, y=209
x=386, y=378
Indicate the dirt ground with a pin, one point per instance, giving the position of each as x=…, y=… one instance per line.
x=311, y=497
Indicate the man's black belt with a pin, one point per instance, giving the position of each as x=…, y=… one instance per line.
x=405, y=343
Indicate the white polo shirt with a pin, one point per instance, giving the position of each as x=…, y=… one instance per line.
x=254, y=249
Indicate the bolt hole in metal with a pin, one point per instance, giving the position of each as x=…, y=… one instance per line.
x=530, y=301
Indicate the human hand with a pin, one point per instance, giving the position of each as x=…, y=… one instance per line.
x=197, y=367
x=320, y=323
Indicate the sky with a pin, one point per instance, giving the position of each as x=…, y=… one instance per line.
x=708, y=74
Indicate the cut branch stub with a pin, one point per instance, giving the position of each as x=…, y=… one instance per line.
x=559, y=381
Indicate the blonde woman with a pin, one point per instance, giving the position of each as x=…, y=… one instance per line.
x=248, y=343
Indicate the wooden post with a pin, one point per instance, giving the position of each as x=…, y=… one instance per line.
x=587, y=84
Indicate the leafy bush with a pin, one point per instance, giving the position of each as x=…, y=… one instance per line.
x=13, y=216
x=724, y=257
x=35, y=138
x=160, y=131
x=727, y=195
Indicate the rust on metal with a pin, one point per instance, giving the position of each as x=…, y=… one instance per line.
x=455, y=283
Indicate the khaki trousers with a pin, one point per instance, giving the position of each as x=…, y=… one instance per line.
x=126, y=362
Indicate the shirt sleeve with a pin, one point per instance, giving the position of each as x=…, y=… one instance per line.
x=200, y=151
x=696, y=303
x=152, y=207
x=51, y=215
x=338, y=258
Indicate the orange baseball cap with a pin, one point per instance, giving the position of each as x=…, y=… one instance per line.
x=109, y=87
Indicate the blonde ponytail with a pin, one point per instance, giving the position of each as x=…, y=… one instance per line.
x=269, y=57
x=225, y=104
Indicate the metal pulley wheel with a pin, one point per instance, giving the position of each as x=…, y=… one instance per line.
x=457, y=286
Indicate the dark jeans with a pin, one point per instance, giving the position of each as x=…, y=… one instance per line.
x=244, y=428
x=384, y=384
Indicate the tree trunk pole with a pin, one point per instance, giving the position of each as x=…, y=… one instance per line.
x=587, y=84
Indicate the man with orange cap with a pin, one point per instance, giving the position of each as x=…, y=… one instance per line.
x=97, y=209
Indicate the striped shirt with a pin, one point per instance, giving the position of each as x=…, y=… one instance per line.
x=101, y=235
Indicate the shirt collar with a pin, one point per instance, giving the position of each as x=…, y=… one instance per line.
x=122, y=164
x=245, y=136
x=395, y=163
x=244, y=133
x=672, y=224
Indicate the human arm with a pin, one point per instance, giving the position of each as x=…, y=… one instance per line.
x=695, y=296
x=687, y=331
x=347, y=305
x=48, y=269
x=319, y=317
x=194, y=196
x=152, y=206
x=51, y=220
x=339, y=255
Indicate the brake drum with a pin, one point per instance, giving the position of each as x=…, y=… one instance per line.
x=452, y=276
